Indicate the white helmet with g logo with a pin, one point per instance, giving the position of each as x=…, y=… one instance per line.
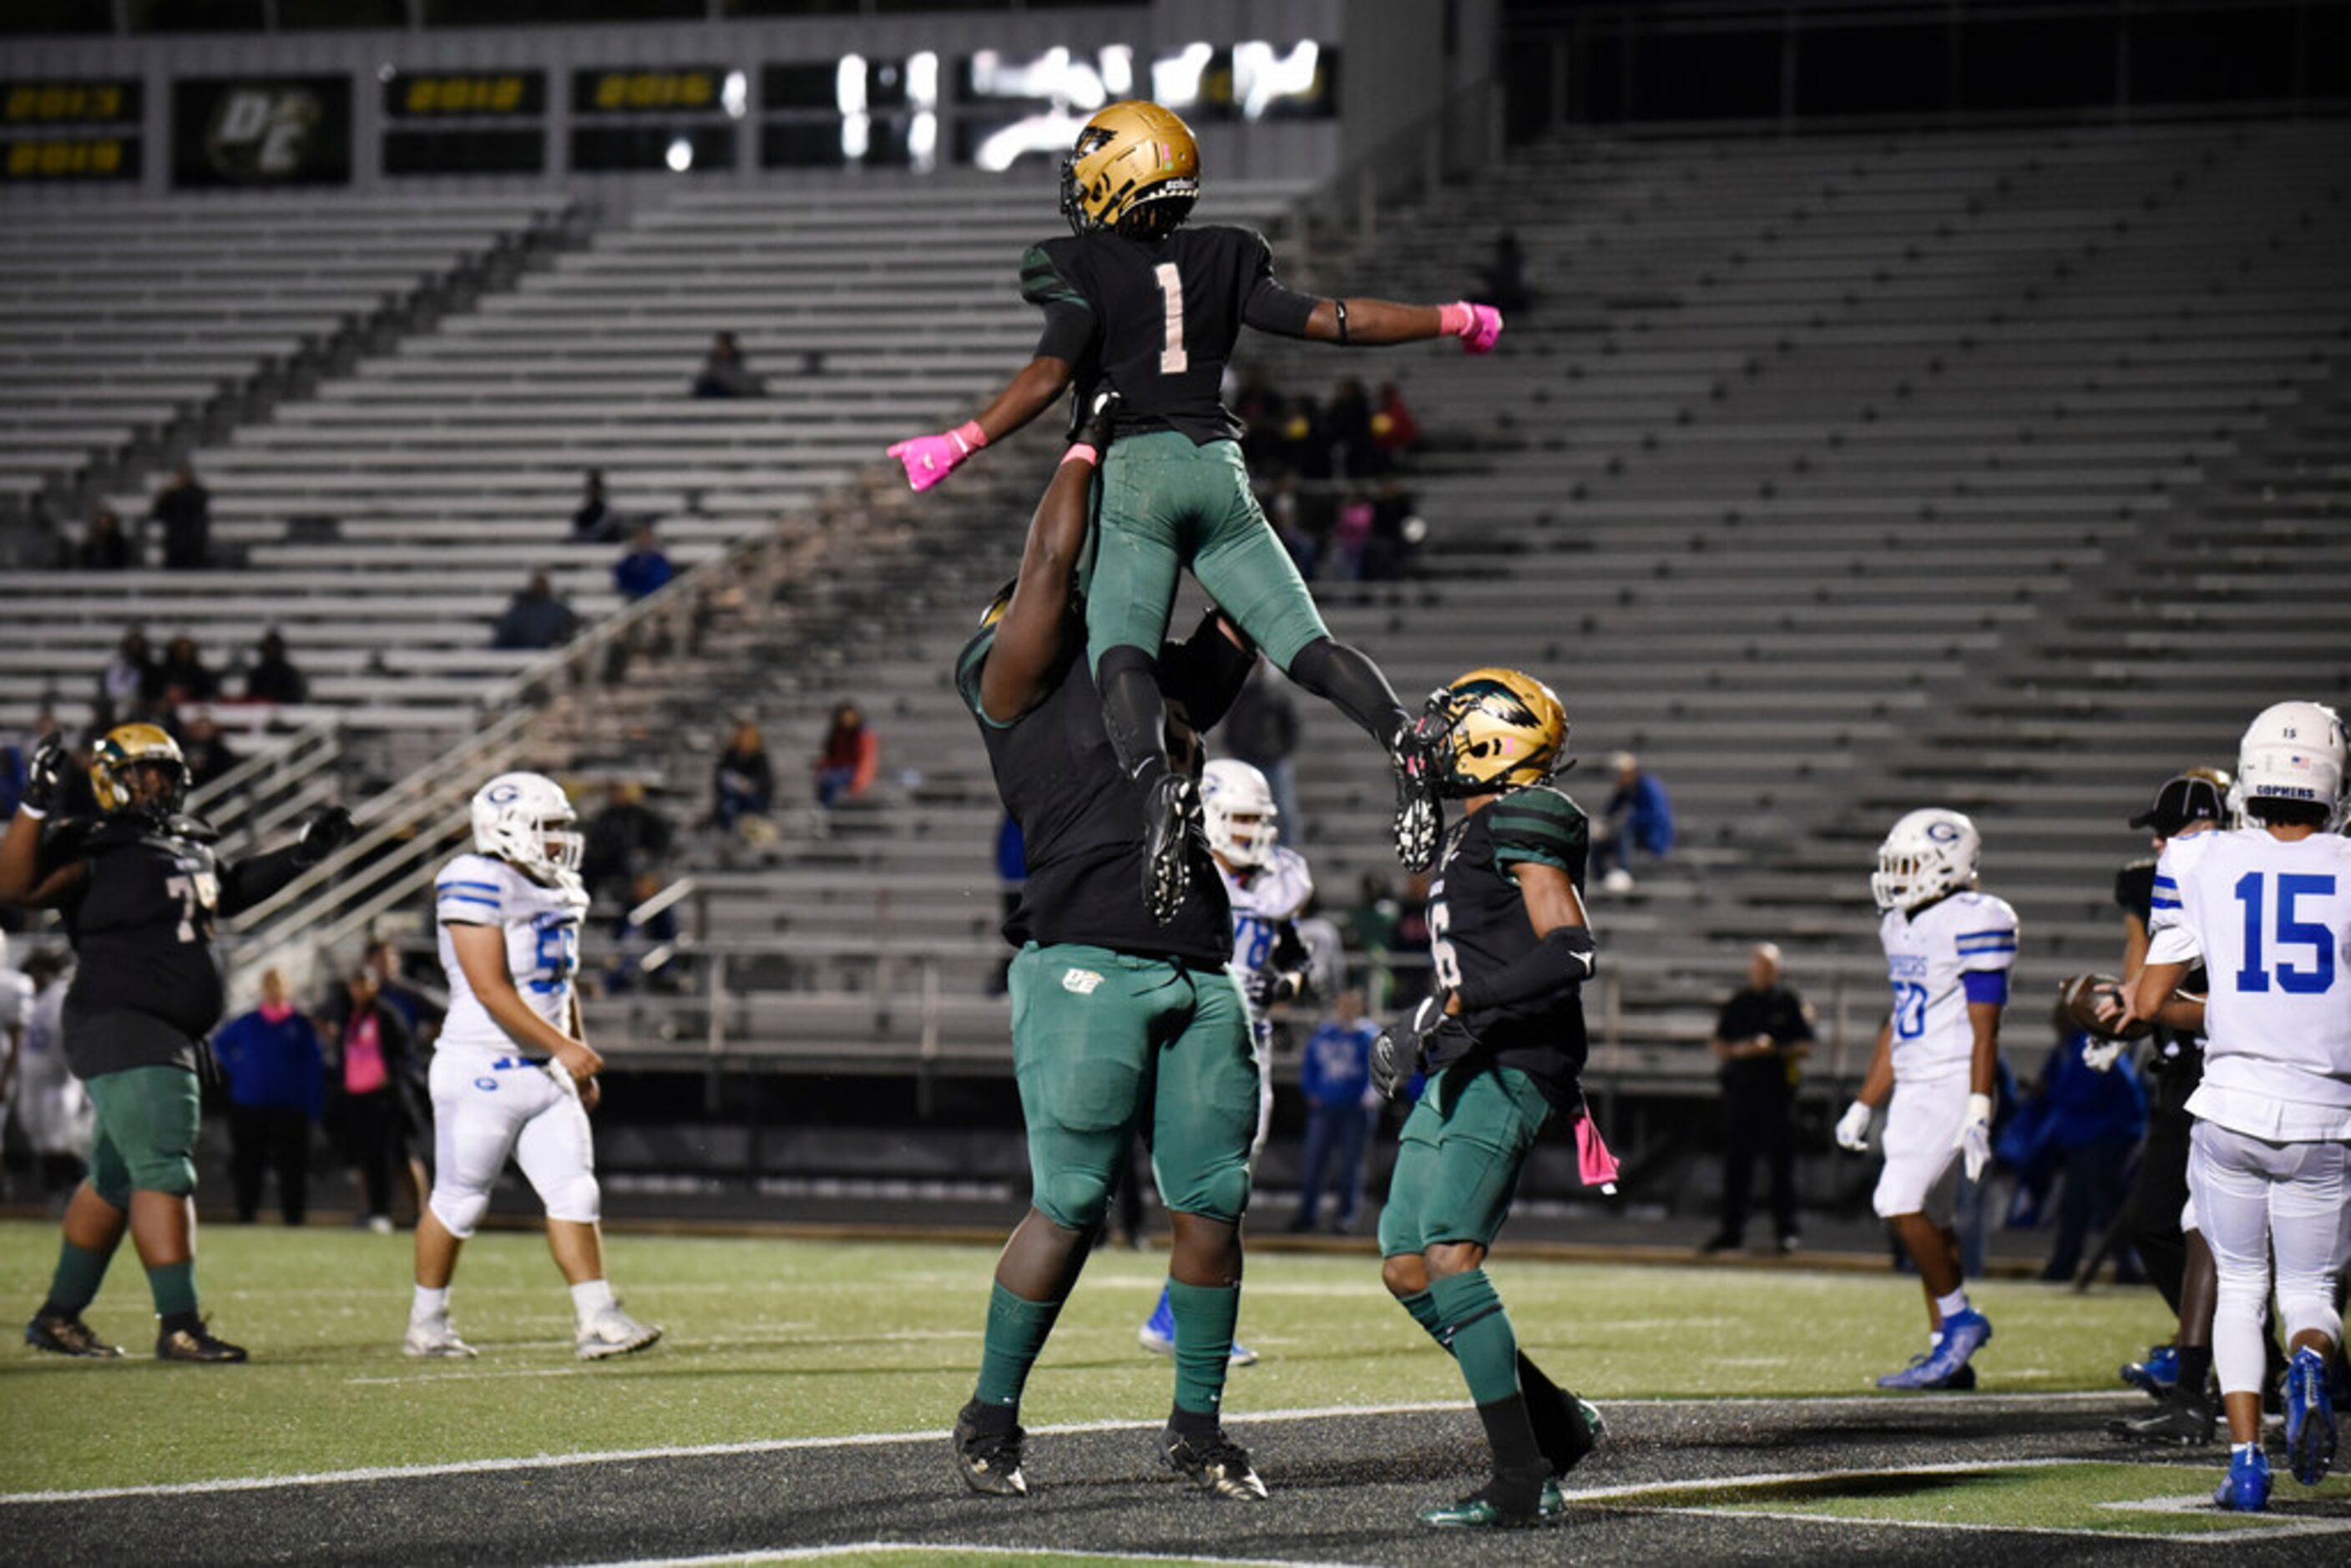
x=1928, y=854
x=527, y=820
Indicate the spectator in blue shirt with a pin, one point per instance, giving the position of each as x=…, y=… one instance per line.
x=644, y=569
x=2095, y=1121
x=1637, y=817
x=276, y=1090
x=1335, y=1076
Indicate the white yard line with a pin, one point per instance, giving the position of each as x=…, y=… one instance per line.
x=809, y=1553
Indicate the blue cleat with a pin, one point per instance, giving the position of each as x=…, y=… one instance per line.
x=2309, y=1417
x=2156, y=1377
x=1946, y=1364
x=2246, y=1487
x=1157, y=1334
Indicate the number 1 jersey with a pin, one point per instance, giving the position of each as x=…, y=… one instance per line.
x=542, y=935
x=2271, y=920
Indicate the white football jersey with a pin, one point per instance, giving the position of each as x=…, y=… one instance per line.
x=1262, y=898
x=2272, y=922
x=1927, y=958
x=542, y=931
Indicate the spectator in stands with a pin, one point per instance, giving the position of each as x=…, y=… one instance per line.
x=1394, y=529
x=186, y=678
x=1372, y=926
x=1288, y=519
x=1503, y=282
x=634, y=940
x=625, y=840
x=375, y=1056
x=1260, y=410
x=130, y=678
x=17, y=754
x=276, y=1090
x=726, y=372
x=273, y=679
x=1334, y=1074
x=1762, y=1031
x=535, y=618
x=595, y=523
x=104, y=546
x=1306, y=443
x=743, y=785
x=1393, y=428
x=2094, y=1122
x=1348, y=424
x=1637, y=817
x=185, y=508
x=1351, y=537
x=850, y=756
x=206, y=751
x=1261, y=729
x=644, y=569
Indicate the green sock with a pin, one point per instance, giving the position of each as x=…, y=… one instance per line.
x=174, y=1286
x=1016, y=1331
x=80, y=1273
x=1205, y=1316
x=1480, y=1333
x=1422, y=1305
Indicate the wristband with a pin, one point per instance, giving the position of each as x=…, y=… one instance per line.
x=1081, y=453
x=1340, y=305
x=971, y=435
x=1456, y=319
x=26, y=809
x=1979, y=1108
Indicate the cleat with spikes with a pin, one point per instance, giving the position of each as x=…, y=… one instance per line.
x=2309, y=1417
x=1172, y=823
x=2158, y=1375
x=612, y=1332
x=1499, y=1505
x=67, y=1336
x=1419, y=821
x=197, y=1345
x=434, y=1337
x=2246, y=1487
x=2186, y=1421
x=1214, y=1463
x=988, y=1461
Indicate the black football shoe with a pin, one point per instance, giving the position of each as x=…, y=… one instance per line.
x=1214, y=1463
x=1171, y=824
x=988, y=1461
x=195, y=1344
x=1420, y=823
x=67, y=1336
x=2187, y=1420
x=1506, y=1503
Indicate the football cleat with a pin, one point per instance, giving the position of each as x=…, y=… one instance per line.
x=195, y=1344
x=1941, y=1366
x=2186, y=1421
x=67, y=1336
x=1486, y=1508
x=2246, y=1487
x=1171, y=822
x=988, y=1462
x=1214, y=1463
x=2158, y=1375
x=1419, y=821
x=2309, y=1417
x=1157, y=1333
x=434, y=1337
x=1566, y=1429
x=613, y=1331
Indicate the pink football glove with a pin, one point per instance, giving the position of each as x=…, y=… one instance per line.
x=1476, y=325
x=931, y=458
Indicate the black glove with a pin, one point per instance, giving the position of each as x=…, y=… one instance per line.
x=45, y=773
x=328, y=831
x=1401, y=1049
x=1100, y=427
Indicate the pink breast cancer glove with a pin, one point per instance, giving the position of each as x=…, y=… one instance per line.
x=1477, y=326
x=931, y=458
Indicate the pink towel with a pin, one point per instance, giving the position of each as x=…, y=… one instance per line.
x=1593, y=1163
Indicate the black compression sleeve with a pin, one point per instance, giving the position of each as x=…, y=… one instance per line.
x=1068, y=329
x=1561, y=961
x=255, y=878
x=1271, y=307
x=1204, y=673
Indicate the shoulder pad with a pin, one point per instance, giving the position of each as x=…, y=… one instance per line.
x=1043, y=281
x=1540, y=823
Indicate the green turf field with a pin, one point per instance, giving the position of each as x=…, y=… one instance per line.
x=775, y=1339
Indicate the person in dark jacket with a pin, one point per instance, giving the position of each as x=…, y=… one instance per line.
x=743, y=782
x=535, y=618
x=1762, y=1031
x=186, y=678
x=185, y=508
x=273, y=679
x=139, y=887
x=104, y=546
x=277, y=1092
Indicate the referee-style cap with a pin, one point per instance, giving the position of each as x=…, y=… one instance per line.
x=2182, y=799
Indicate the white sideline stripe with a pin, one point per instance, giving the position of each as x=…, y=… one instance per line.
x=878, y=1439
x=1029, y=1554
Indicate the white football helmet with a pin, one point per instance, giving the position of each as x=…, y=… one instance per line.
x=2294, y=751
x=1928, y=854
x=526, y=820
x=1237, y=806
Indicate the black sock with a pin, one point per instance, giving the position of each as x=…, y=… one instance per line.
x=1134, y=712
x=2195, y=1369
x=1344, y=677
x=1512, y=1436
x=175, y=1321
x=1191, y=1423
x=988, y=1419
x=1551, y=1411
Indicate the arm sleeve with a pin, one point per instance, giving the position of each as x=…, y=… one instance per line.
x=1561, y=961
x=1204, y=673
x=1266, y=304
x=255, y=878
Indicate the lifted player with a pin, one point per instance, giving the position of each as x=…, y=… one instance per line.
x=1267, y=885
x=2267, y=909
x=1502, y=1040
x=139, y=891
x=1136, y=301
x=1115, y=1016
x=1949, y=949
x=512, y=1072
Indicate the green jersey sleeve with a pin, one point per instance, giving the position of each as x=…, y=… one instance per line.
x=1545, y=826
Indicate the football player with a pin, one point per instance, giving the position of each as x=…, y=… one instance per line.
x=1116, y=1017
x=2267, y=909
x=1267, y=885
x=1949, y=950
x=512, y=1072
x=1136, y=301
x=1501, y=1039
x=138, y=889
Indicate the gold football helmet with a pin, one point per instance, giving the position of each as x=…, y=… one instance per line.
x=126, y=748
x=1135, y=171
x=1493, y=730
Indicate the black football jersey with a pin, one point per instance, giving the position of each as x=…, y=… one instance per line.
x=1477, y=922
x=2179, y=1053
x=1081, y=825
x=1157, y=318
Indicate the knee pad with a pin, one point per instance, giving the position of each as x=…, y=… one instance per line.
x=1073, y=1199
x=1220, y=1193
x=2306, y=1301
x=575, y=1199
x=173, y=1175
x=458, y=1212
